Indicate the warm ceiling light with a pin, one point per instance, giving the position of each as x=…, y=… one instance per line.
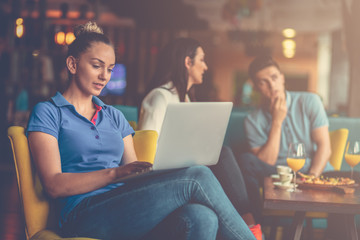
x=70, y=37
x=19, y=21
x=60, y=38
x=289, y=33
x=289, y=53
x=35, y=53
x=19, y=29
x=288, y=44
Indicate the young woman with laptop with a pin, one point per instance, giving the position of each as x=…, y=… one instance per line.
x=181, y=65
x=81, y=147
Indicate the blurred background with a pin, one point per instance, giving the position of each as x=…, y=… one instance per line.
x=316, y=43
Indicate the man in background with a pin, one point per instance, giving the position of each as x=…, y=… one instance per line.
x=282, y=118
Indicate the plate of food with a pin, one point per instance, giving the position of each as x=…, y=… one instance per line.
x=326, y=183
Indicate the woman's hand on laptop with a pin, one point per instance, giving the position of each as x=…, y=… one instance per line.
x=131, y=168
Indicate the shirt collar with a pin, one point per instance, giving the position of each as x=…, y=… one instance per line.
x=98, y=102
x=288, y=99
x=60, y=101
x=170, y=86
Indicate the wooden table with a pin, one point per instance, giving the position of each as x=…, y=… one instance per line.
x=310, y=200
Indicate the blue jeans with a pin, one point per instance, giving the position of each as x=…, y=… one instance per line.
x=191, y=221
x=137, y=209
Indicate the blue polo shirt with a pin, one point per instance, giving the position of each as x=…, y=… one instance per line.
x=83, y=145
x=305, y=113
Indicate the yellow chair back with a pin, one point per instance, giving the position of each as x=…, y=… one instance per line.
x=338, y=139
x=34, y=203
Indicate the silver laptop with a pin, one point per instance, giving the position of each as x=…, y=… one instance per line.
x=191, y=134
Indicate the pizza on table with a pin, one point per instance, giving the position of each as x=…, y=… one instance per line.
x=333, y=181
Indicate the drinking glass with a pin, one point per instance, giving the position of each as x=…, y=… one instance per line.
x=296, y=160
x=352, y=155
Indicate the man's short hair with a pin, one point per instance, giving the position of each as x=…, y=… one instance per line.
x=259, y=63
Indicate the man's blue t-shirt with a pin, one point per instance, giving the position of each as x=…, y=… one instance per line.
x=83, y=146
x=305, y=113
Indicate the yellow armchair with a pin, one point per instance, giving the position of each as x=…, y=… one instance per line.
x=35, y=205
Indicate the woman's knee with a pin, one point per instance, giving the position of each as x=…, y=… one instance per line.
x=199, y=172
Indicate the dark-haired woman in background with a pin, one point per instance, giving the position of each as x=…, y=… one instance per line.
x=181, y=65
x=82, y=147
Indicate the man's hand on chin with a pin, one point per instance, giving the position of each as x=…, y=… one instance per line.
x=278, y=109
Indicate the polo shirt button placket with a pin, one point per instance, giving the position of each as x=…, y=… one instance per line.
x=288, y=134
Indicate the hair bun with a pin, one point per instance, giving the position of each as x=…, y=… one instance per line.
x=89, y=27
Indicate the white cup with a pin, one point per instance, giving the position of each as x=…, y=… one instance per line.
x=285, y=178
x=283, y=169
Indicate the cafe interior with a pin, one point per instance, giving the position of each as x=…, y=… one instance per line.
x=315, y=42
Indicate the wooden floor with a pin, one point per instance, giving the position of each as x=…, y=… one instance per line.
x=11, y=223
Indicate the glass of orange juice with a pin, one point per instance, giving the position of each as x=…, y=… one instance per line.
x=352, y=155
x=296, y=160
